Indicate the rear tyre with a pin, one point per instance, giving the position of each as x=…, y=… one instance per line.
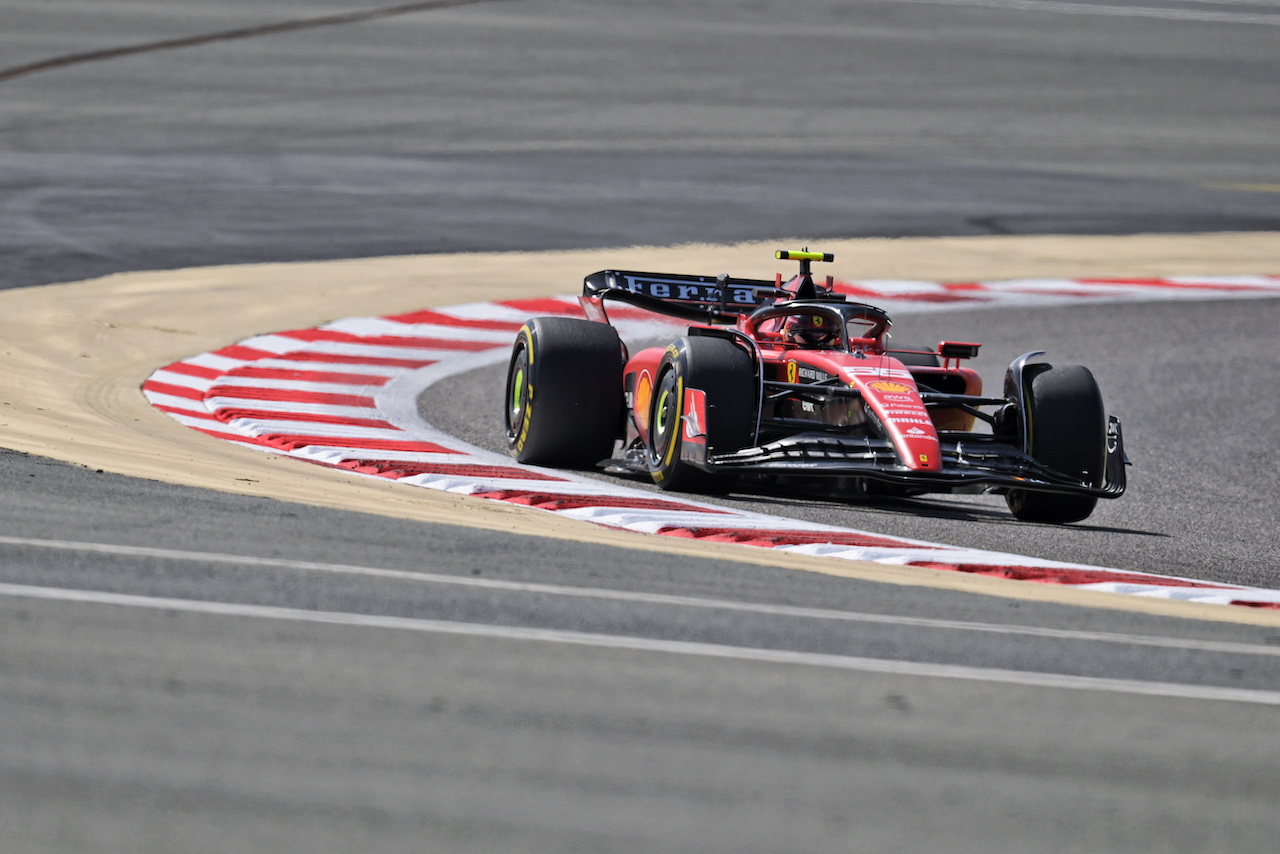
x=564, y=402
x=726, y=374
x=916, y=355
x=1067, y=429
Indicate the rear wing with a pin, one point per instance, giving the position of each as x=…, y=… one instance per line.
x=701, y=299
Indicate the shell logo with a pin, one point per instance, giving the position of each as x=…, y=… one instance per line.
x=891, y=388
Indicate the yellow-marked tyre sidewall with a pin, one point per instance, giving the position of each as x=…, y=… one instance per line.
x=666, y=414
x=563, y=403
x=726, y=375
x=519, y=392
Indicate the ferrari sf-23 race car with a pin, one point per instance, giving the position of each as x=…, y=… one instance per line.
x=792, y=381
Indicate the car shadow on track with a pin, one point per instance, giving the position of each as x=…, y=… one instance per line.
x=931, y=507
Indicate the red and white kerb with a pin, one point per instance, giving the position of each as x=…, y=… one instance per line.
x=344, y=395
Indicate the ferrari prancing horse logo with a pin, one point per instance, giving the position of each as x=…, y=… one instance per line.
x=793, y=372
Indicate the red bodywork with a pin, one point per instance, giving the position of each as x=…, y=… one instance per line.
x=889, y=394
x=795, y=380
x=889, y=400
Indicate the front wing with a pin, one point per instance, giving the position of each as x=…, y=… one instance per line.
x=967, y=460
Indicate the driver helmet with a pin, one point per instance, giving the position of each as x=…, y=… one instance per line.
x=811, y=330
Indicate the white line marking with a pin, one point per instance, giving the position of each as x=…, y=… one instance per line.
x=1192, y=15
x=705, y=650
x=650, y=598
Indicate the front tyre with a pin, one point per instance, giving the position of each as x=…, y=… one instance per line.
x=1067, y=431
x=725, y=373
x=564, y=402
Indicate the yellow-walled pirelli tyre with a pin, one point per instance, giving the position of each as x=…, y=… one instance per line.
x=1067, y=431
x=564, y=404
x=725, y=373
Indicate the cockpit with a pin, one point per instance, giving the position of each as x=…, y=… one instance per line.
x=819, y=325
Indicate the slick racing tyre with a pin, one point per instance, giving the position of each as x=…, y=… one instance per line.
x=725, y=373
x=564, y=404
x=921, y=355
x=1067, y=430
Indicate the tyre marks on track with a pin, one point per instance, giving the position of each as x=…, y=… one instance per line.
x=344, y=395
x=278, y=28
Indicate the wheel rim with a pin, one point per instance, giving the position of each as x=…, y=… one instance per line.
x=517, y=393
x=665, y=415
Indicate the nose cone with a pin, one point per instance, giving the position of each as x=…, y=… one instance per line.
x=892, y=396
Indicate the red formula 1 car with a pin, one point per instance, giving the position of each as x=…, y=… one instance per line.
x=795, y=381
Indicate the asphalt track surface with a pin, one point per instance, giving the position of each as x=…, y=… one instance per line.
x=159, y=723
x=1191, y=511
